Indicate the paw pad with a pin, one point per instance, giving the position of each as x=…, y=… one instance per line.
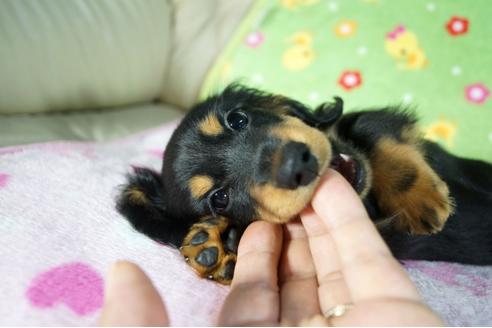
x=210, y=248
x=199, y=238
x=208, y=256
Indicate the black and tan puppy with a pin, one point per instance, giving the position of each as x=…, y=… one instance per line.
x=245, y=155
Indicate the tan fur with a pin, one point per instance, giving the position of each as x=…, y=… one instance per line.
x=200, y=185
x=293, y=129
x=278, y=105
x=214, y=227
x=136, y=196
x=411, y=134
x=278, y=205
x=426, y=205
x=211, y=126
x=275, y=160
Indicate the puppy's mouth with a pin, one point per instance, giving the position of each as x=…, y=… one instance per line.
x=351, y=169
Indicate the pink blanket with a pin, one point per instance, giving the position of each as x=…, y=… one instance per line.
x=60, y=232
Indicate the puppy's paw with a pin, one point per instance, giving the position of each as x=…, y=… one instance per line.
x=426, y=210
x=408, y=189
x=210, y=247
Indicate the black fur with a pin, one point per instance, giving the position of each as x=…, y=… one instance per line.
x=467, y=235
x=153, y=218
x=237, y=160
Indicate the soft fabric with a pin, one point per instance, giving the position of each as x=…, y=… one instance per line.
x=66, y=55
x=433, y=56
x=60, y=233
x=73, y=55
x=201, y=29
x=88, y=125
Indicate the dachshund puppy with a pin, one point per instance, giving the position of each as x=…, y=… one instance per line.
x=246, y=155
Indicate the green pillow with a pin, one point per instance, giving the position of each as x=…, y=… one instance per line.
x=433, y=56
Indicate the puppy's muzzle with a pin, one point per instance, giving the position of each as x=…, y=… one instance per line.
x=297, y=166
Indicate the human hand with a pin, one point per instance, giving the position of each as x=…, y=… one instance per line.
x=354, y=266
x=130, y=299
x=335, y=257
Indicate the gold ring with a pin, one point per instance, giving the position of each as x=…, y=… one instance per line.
x=338, y=310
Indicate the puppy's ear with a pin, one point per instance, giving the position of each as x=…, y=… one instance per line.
x=322, y=117
x=143, y=203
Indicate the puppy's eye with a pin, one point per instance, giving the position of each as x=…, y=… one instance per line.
x=237, y=120
x=219, y=200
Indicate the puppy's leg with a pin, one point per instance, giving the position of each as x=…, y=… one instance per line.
x=210, y=247
x=403, y=183
x=407, y=187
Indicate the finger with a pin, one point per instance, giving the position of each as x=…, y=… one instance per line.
x=368, y=267
x=316, y=321
x=253, y=299
x=131, y=299
x=389, y=313
x=298, y=283
x=332, y=288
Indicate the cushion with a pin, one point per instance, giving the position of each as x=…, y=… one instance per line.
x=430, y=56
x=96, y=125
x=201, y=30
x=69, y=55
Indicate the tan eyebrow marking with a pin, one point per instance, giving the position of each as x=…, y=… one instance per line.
x=136, y=196
x=211, y=126
x=200, y=185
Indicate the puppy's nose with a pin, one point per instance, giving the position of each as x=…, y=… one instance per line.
x=298, y=166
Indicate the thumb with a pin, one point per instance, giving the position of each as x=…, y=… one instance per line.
x=131, y=299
